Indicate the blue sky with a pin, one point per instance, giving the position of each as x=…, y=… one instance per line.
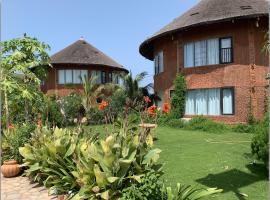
x=116, y=27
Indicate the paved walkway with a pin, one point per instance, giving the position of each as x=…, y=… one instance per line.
x=20, y=188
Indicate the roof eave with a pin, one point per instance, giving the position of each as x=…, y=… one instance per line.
x=146, y=48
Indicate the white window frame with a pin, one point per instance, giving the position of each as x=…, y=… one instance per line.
x=64, y=73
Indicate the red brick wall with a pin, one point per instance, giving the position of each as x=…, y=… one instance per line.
x=247, y=74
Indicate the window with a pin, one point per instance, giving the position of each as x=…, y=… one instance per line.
x=208, y=52
x=98, y=75
x=110, y=77
x=115, y=78
x=103, y=77
x=225, y=50
x=210, y=102
x=159, y=64
x=227, y=101
x=69, y=76
x=171, y=93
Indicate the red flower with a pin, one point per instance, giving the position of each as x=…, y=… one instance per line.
x=39, y=123
x=10, y=126
x=103, y=105
x=152, y=110
x=166, y=108
x=146, y=99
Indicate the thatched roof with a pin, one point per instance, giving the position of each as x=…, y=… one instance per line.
x=81, y=52
x=208, y=12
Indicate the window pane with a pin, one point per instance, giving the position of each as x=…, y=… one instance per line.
x=76, y=76
x=200, y=53
x=61, y=76
x=226, y=43
x=189, y=55
x=227, y=101
x=190, y=102
x=68, y=76
x=214, y=102
x=103, y=77
x=213, y=51
x=84, y=74
x=156, y=65
x=98, y=74
x=201, y=102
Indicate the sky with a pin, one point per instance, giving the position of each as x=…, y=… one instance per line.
x=116, y=27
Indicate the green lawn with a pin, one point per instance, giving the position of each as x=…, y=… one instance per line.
x=212, y=160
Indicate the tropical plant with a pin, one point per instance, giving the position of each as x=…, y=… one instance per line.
x=16, y=77
x=91, y=91
x=108, y=166
x=49, y=159
x=179, y=96
x=187, y=192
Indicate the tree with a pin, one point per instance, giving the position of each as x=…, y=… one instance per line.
x=179, y=96
x=17, y=79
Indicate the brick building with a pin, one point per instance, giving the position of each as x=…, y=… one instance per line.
x=217, y=45
x=76, y=61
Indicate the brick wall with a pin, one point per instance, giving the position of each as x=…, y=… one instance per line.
x=247, y=74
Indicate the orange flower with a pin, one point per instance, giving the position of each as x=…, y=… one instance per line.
x=103, y=105
x=146, y=99
x=10, y=126
x=166, y=108
x=152, y=110
x=39, y=123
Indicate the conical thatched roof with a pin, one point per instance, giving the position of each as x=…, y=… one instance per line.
x=207, y=12
x=81, y=52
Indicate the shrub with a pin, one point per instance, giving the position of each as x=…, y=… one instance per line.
x=260, y=143
x=89, y=168
x=243, y=128
x=179, y=97
x=53, y=116
x=150, y=187
x=95, y=116
x=176, y=123
x=118, y=100
x=14, y=139
x=72, y=107
x=200, y=123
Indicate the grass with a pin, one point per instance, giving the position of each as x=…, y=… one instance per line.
x=211, y=160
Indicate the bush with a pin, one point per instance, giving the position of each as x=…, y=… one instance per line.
x=118, y=100
x=150, y=187
x=72, y=107
x=243, y=128
x=200, y=123
x=53, y=116
x=260, y=143
x=14, y=139
x=95, y=116
x=89, y=168
x=179, y=97
x=176, y=123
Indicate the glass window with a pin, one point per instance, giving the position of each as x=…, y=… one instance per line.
x=189, y=55
x=208, y=52
x=200, y=53
x=61, y=76
x=84, y=74
x=226, y=50
x=209, y=102
x=159, y=63
x=103, y=80
x=227, y=95
x=68, y=76
x=213, y=51
x=77, y=76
